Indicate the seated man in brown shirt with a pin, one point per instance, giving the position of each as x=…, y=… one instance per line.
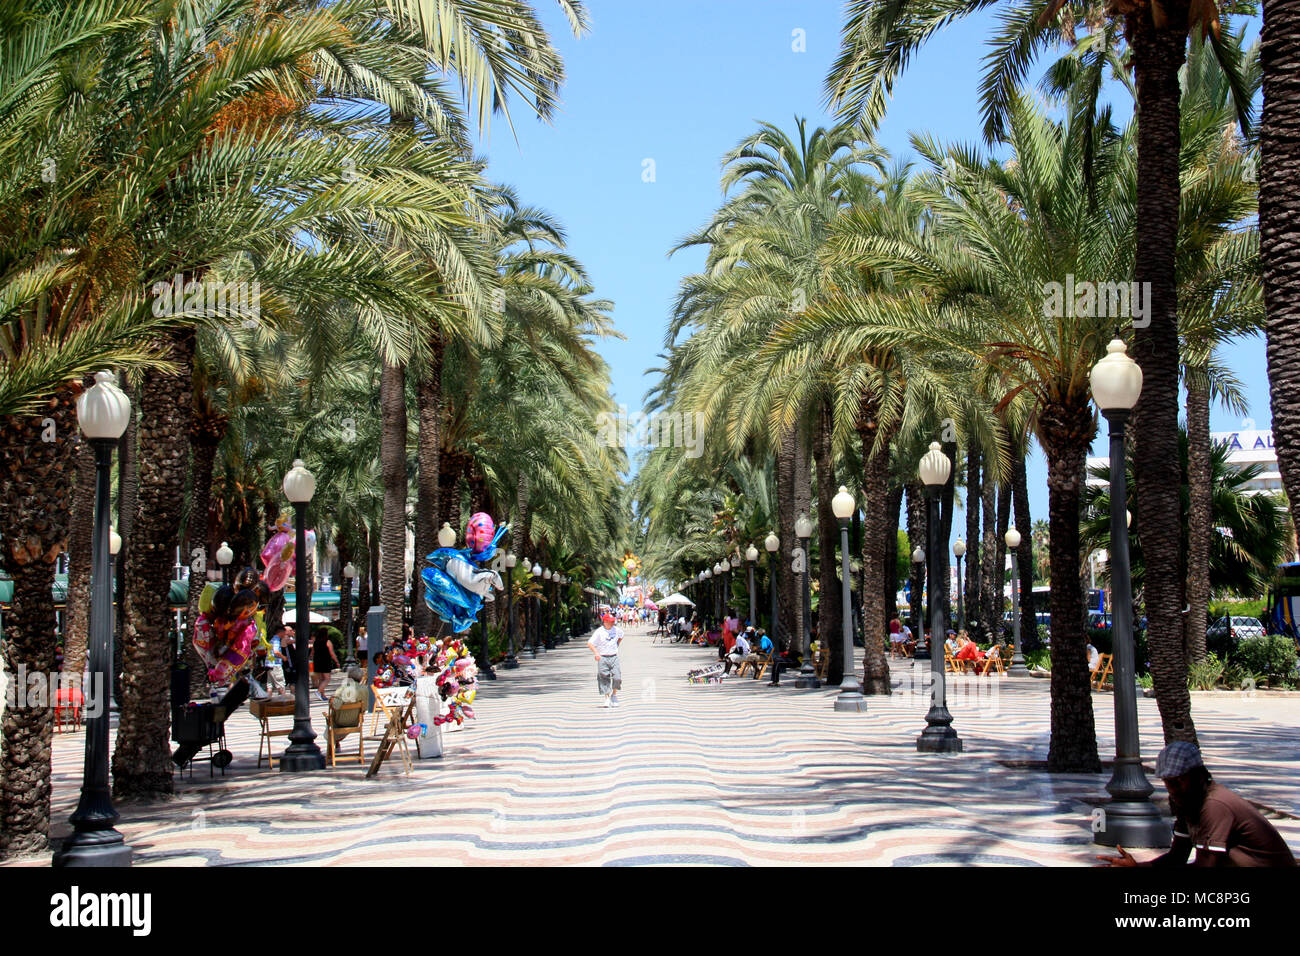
x=1224, y=828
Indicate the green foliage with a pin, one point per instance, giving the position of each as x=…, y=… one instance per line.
x=1205, y=674
x=1241, y=560
x=904, y=563
x=1146, y=681
x=1273, y=655
x=1220, y=609
x=1040, y=659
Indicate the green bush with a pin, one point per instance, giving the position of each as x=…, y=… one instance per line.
x=1205, y=674
x=1273, y=655
x=1040, y=659
x=1146, y=681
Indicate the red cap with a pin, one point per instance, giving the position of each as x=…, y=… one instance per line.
x=607, y=618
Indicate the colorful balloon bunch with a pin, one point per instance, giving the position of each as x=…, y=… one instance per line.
x=457, y=682
x=226, y=633
x=278, y=554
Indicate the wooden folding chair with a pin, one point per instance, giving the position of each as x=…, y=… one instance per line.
x=822, y=662
x=951, y=663
x=763, y=663
x=353, y=718
x=1104, y=672
x=992, y=662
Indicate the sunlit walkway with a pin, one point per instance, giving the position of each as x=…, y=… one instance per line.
x=737, y=773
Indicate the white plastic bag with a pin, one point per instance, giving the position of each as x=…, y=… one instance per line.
x=428, y=706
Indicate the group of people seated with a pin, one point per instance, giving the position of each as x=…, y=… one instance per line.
x=902, y=643
x=962, y=648
x=743, y=650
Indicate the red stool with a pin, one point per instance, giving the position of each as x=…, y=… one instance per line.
x=68, y=702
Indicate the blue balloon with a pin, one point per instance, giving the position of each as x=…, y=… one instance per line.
x=443, y=594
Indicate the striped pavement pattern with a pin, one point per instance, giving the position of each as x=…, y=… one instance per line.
x=736, y=773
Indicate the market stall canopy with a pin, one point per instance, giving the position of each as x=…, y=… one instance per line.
x=677, y=598
x=291, y=617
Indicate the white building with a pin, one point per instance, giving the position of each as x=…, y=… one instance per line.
x=1246, y=447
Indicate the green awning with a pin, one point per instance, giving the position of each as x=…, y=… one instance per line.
x=178, y=597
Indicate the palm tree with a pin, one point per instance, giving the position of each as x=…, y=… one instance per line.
x=973, y=283
x=1279, y=147
x=764, y=262
x=878, y=40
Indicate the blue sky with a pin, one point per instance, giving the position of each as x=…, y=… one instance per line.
x=682, y=82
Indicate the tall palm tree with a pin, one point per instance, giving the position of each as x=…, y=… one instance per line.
x=973, y=283
x=879, y=39
x=1279, y=207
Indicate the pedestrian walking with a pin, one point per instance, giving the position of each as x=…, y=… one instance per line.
x=604, y=643
x=275, y=663
x=324, y=659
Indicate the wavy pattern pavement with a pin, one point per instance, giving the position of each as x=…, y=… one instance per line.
x=730, y=774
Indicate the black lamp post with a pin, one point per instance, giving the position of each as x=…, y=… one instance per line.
x=751, y=555
x=511, y=662
x=807, y=673
x=726, y=586
x=484, y=662
x=302, y=754
x=1018, y=668
x=349, y=575
x=224, y=557
x=938, y=736
x=103, y=411
x=1130, y=817
x=922, y=651
x=772, y=543
x=548, y=617
x=959, y=552
x=560, y=609
x=537, y=611
x=850, y=696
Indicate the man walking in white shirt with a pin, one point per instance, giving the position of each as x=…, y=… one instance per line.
x=604, y=643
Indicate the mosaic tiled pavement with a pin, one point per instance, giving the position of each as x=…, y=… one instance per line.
x=737, y=773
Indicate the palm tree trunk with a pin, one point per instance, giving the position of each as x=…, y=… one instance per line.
x=972, y=584
x=990, y=574
x=142, y=764
x=205, y=453
x=372, y=594
x=363, y=579
x=802, y=506
x=1066, y=434
x=946, y=500
x=875, y=494
x=1158, y=53
x=76, y=619
x=829, y=624
x=392, y=458
x=916, y=538
x=784, y=626
x=128, y=498
x=1025, y=553
x=1198, y=514
x=345, y=594
x=35, y=492
x=428, y=400
x=1279, y=247
x=893, y=503
x=1000, y=562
